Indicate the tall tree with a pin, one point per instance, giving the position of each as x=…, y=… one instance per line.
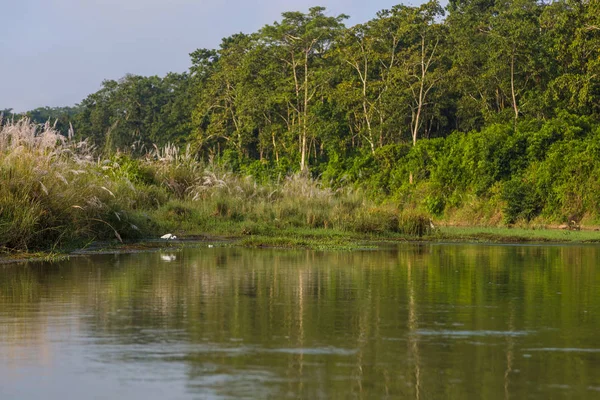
x=222, y=94
x=357, y=92
x=396, y=62
x=423, y=67
x=301, y=41
x=498, y=60
x=514, y=35
x=572, y=32
x=135, y=112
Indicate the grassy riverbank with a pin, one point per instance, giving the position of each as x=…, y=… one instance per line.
x=516, y=235
x=58, y=195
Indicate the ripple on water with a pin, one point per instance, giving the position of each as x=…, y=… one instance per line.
x=329, y=350
x=559, y=386
x=234, y=384
x=564, y=350
x=478, y=333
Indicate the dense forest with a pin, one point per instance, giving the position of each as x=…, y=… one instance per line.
x=486, y=111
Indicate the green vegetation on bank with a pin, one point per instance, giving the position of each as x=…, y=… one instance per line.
x=486, y=113
x=515, y=235
x=55, y=193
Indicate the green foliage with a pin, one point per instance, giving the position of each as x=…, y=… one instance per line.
x=135, y=112
x=435, y=204
x=522, y=201
x=265, y=171
x=502, y=96
x=377, y=220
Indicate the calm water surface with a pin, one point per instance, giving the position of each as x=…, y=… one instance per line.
x=422, y=321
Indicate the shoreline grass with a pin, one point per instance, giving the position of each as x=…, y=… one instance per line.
x=517, y=235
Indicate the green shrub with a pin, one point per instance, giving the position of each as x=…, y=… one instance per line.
x=435, y=204
x=521, y=201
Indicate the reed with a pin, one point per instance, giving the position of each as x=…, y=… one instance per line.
x=53, y=191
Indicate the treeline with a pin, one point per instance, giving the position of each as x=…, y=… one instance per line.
x=488, y=104
x=61, y=118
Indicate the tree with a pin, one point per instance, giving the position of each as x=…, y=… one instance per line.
x=515, y=48
x=300, y=42
x=223, y=96
x=572, y=34
x=422, y=68
x=498, y=58
x=396, y=62
x=354, y=93
x=135, y=112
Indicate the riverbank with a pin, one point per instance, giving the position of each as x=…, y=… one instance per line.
x=58, y=196
x=319, y=239
x=518, y=235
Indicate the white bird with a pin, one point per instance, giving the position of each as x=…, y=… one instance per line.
x=168, y=236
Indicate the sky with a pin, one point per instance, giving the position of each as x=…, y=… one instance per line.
x=56, y=52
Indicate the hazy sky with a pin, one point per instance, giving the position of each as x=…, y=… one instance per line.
x=56, y=52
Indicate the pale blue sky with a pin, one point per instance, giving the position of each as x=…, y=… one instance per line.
x=56, y=52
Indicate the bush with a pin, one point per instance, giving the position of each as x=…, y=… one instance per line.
x=435, y=204
x=521, y=201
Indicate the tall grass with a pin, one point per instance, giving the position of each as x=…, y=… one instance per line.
x=54, y=192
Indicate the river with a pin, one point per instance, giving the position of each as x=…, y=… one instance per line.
x=413, y=321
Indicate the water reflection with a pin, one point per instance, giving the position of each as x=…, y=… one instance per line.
x=418, y=321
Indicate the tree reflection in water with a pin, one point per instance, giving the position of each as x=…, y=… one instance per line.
x=415, y=321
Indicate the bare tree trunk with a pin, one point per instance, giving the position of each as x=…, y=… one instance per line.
x=512, y=88
x=366, y=113
x=275, y=146
x=420, y=98
x=303, y=150
x=301, y=113
x=366, y=108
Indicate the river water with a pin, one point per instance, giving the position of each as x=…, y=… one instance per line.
x=417, y=321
